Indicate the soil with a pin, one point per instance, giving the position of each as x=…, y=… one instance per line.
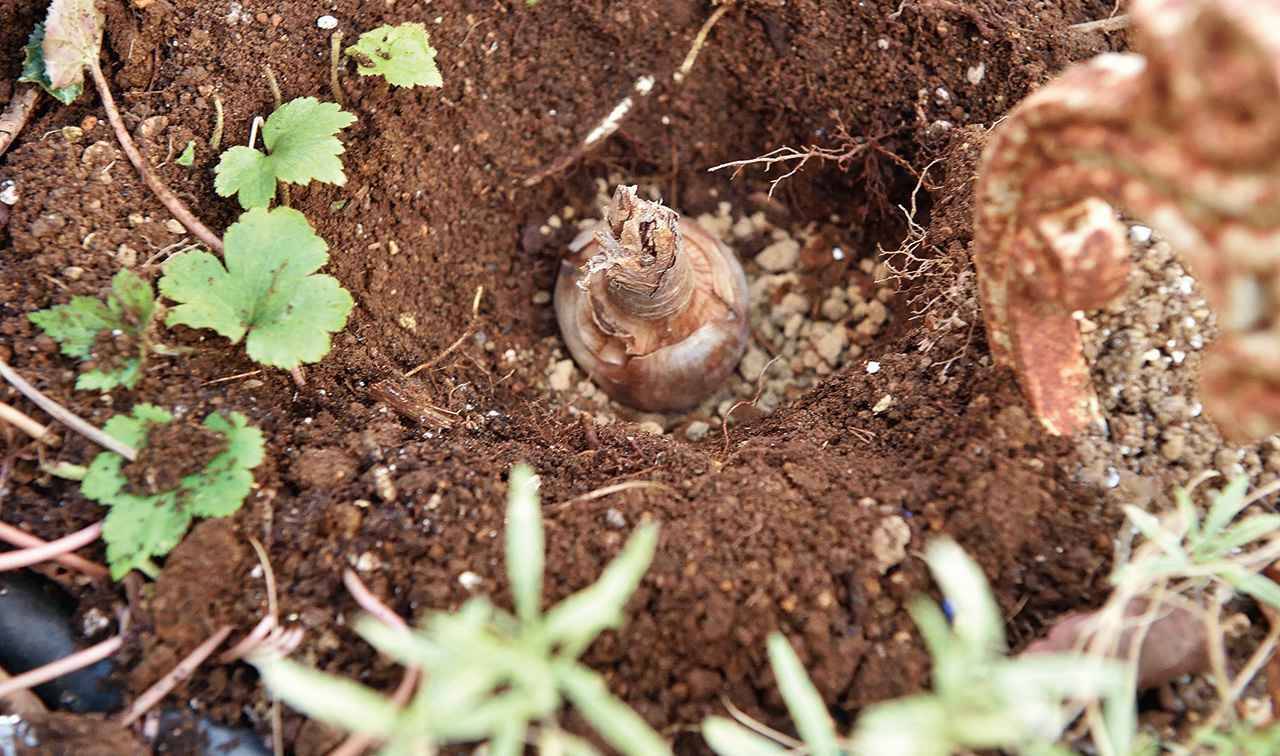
x=806, y=516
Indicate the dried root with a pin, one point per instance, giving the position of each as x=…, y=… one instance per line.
x=1186, y=135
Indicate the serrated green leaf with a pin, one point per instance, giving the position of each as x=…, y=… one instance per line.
x=301, y=139
x=140, y=527
x=577, y=620
x=400, y=54
x=137, y=529
x=728, y=738
x=34, y=71
x=188, y=156
x=268, y=289
x=72, y=40
x=76, y=326
x=246, y=173
x=525, y=543
x=616, y=722
x=809, y=713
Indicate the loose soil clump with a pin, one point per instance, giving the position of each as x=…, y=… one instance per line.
x=798, y=500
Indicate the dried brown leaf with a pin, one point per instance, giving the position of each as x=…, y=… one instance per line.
x=72, y=39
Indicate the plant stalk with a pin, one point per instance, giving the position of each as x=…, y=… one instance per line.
x=166, y=196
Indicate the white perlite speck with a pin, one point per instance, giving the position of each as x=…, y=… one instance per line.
x=327, y=22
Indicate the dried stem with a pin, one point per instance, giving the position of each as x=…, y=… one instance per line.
x=357, y=743
x=274, y=85
x=152, y=696
x=602, y=131
x=1115, y=23
x=28, y=426
x=16, y=115
x=22, y=538
x=627, y=485
x=24, y=703
x=698, y=41
x=65, y=416
x=1161, y=135
x=335, y=58
x=163, y=193
x=12, y=560
x=66, y=665
x=215, y=137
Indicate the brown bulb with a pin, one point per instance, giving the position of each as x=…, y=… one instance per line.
x=652, y=306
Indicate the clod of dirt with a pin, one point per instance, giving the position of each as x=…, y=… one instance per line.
x=207, y=568
x=173, y=451
x=1176, y=642
x=324, y=467
x=63, y=733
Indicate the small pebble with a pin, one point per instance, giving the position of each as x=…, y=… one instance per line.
x=1139, y=234
x=873, y=367
x=697, y=430
x=615, y=519
x=541, y=298
x=779, y=256
x=561, y=377
x=327, y=22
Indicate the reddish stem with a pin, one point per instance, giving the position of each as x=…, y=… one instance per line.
x=152, y=696
x=13, y=560
x=20, y=537
x=64, y=666
x=166, y=196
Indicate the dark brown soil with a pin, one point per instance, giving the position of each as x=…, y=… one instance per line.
x=771, y=527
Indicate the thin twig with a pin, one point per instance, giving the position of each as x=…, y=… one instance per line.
x=66, y=665
x=698, y=41
x=1115, y=23
x=274, y=85
x=16, y=115
x=28, y=426
x=602, y=131
x=143, y=703
x=335, y=58
x=215, y=137
x=66, y=416
x=13, y=560
x=22, y=538
x=163, y=193
x=235, y=377
x=627, y=485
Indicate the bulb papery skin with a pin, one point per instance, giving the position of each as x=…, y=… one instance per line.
x=652, y=306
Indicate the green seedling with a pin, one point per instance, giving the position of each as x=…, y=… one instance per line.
x=400, y=54
x=268, y=289
x=490, y=675
x=143, y=524
x=188, y=156
x=981, y=699
x=114, y=336
x=302, y=146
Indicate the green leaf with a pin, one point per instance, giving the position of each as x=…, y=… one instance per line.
x=728, y=738
x=1247, y=531
x=268, y=289
x=35, y=72
x=810, y=714
x=79, y=325
x=525, y=543
x=329, y=699
x=188, y=156
x=400, y=54
x=616, y=722
x=911, y=726
x=1154, y=530
x=140, y=527
x=1262, y=589
x=976, y=618
x=577, y=620
x=301, y=139
x=1227, y=503
x=72, y=40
